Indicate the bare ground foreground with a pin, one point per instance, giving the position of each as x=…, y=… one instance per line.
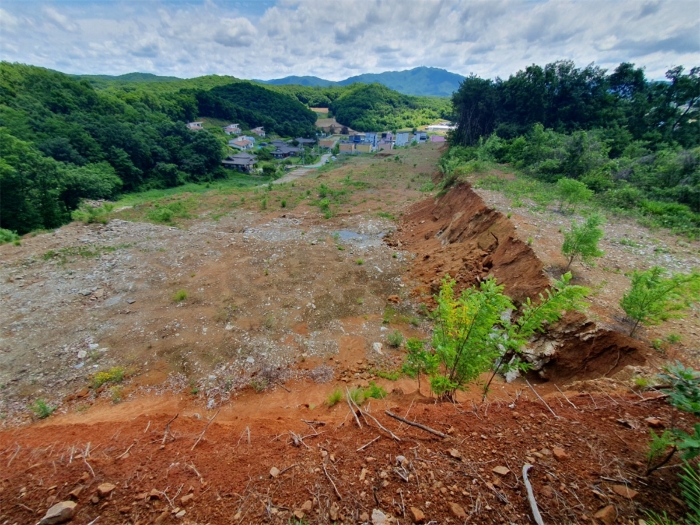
x=256, y=305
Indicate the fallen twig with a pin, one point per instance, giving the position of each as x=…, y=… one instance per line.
x=205, y=429
x=125, y=452
x=653, y=398
x=414, y=424
x=281, y=385
x=367, y=444
x=331, y=480
x=543, y=401
x=167, y=429
x=347, y=398
x=394, y=436
x=14, y=455
x=531, y=497
x=567, y=399
x=147, y=426
x=288, y=468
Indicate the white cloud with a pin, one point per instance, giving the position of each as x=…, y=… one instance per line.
x=339, y=38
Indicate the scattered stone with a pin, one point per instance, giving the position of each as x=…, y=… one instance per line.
x=307, y=506
x=607, y=515
x=377, y=347
x=334, y=511
x=394, y=299
x=455, y=453
x=417, y=515
x=59, y=513
x=131, y=301
x=363, y=474
x=458, y=511
x=237, y=516
x=559, y=453
x=624, y=491
x=85, y=477
x=75, y=493
x=364, y=517
x=379, y=518
x=186, y=500
x=163, y=517
x=94, y=500
x=500, y=470
x=654, y=422
x=154, y=494
x=274, y=472
x=299, y=514
x=105, y=489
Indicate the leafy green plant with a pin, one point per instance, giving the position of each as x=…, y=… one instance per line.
x=335, y=397
x=654, y=298
x=571, y=193
x=41, y=409
x=374, y=391
x=115, y=374
x=391, y=375
x=259, y=384
x=360, y=262
x=8, y=236
x=474, y=332
x=395, y=338
x=180, y=296
x=581, y=242
x=357, y=395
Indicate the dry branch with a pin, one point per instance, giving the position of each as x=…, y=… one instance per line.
x=167, y=429
x=331, y=480
x=567, y=399
x=347, y=398
x=530, y=496
x=205, y=429
x=414, y=424
x=367, y=444
x=543, y=401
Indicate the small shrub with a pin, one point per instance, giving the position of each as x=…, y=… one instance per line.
x=335, y=397
x=374, y=391
x=41, y=409
x=357, y=395
x=113, y=375
x=283, y=203
x=8, y=236
x=259, y=384
x=387, y=374
x=360, y=262
x=581, y=242
x=117, y=393
x=673, y=338
x=641, y=382
x=395, y=339
x=180, y=296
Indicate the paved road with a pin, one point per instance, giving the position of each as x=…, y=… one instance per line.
x=300, y=172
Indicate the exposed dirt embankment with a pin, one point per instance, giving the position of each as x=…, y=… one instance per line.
x=457, y=234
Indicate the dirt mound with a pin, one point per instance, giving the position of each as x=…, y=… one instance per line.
x=457, y=234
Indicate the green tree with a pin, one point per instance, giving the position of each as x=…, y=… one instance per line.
x=654, y=298
x=572, y=193
x=474, y=332
x=581, y=241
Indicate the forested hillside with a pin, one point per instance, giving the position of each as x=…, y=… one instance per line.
x=62, y=140
x=633, y=141
x=375, y=107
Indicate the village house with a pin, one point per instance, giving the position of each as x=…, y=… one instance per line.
x=437, y=138
x=241, y=161
x=443, y=126
x=385, y=145
x=241, y=143
x=232, y=129
x=372, y=138
x=364, y=147
x=346, y=147
x=282, y=152
x=327, y=143
x=402, y=138
x=195, y=126
x=305, y=142
x=420, y=137
x=259, y=131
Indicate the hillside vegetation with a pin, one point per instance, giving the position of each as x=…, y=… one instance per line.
x=61, y=139
x=633, y=142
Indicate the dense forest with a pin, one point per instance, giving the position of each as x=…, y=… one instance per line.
x=373, y=107
x=63, y=139
x=633, y=141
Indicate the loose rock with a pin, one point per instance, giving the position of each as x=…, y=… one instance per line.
x=105, y=489
x=458, y=511
x=607, y=515
x=500, y=470
x=379, y=518
x=59, y=513
x=559, y=453
x=274, y=472
x=624, y=491
x=417, y=515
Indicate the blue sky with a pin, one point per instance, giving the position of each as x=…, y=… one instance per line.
x=335, y=39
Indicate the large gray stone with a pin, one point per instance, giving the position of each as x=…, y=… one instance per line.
x=59, y=513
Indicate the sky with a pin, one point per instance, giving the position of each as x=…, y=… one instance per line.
x=335, y=39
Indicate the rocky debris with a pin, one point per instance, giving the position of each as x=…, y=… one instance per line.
x=607, y=515
x=105, y=489
x=624, y=491
x=187, y=499
x=500, y=470
x=307, y=506
x=559, y=453
x=75, y=493
x=654, y=422
x=455, y=453
x=274, y=472
x=379, y=518
x=334, y=511
x=59, y=513
x=417, y=515
x=395, y=299
x=458, y=511
x=180, y=514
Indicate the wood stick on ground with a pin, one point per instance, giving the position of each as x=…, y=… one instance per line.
x=147, y=426
x=651, y=398
x=543, y=401
x=205, y=429
x=331, y=480
x=367, y=444
x=414, y=424
x=347, y=398
x=394, y=436
x=288, y=468
x=281, y=385
x=125, y=452
x=167, y=428
x=14, y=455
x=531, y=496
x=567, y=399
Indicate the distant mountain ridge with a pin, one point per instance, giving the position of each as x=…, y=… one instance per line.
x=423, y=81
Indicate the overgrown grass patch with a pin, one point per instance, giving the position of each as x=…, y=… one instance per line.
x=115, y=374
